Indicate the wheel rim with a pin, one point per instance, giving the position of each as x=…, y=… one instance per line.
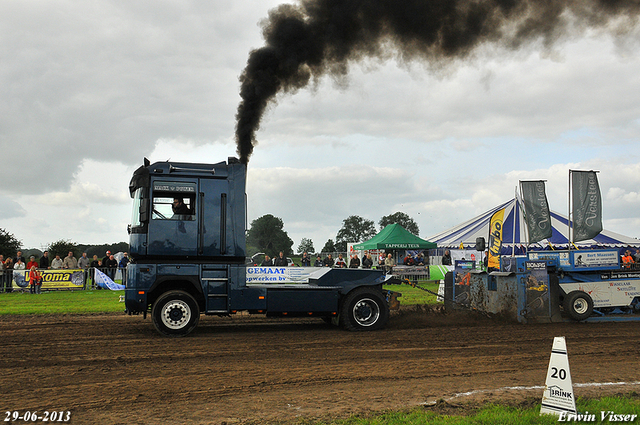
x=580, y=306
x=366, y=312
x=175, y=314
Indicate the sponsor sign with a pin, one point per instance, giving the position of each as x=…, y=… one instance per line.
x=558, y=393
x=284, y=274
x=536, y=283
x=51, y=279
x=606, y=259
x=561, y=258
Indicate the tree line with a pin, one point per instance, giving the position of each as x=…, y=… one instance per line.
x=10, y=245
x=266, y=234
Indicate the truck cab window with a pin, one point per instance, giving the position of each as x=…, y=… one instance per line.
x=178, y=207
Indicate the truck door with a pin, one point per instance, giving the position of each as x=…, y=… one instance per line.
x=213, y=200
x=173, y=227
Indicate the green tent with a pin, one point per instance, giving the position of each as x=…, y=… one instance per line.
x=395, y=236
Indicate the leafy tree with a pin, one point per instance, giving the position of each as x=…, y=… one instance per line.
x=62, y=248
x=267, y=235
x=402, y=219
x=354, y=229
x=306, y=245
x=100, y=250
x=9, y=245
x=329, y=246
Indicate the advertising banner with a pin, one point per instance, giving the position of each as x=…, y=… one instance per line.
x=587, y=205
x=536, y=208
x=495, y=238
x=51, y=279
x=462, y=280
x=536, y=282
x=284, y=274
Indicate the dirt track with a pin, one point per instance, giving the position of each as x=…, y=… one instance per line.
x=115, y=369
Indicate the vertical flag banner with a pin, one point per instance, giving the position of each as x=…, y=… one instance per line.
x=495, y=238
x=587, y=205
x=536, y=208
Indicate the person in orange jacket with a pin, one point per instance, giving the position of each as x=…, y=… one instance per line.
x=35, y=280
x=627, y=259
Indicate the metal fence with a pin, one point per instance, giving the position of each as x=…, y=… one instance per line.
x=59, y=279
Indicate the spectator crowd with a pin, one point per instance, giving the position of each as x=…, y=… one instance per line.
x=107, y=265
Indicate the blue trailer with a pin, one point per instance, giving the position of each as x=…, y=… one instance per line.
x=187, y=244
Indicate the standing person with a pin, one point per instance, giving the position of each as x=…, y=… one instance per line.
x=19, y=265
x=19, y=257
x=1, y=273
x=95, y=263
x=280, y=261
x=636, y=256
x=318, y=262
x=305, y=260
x=44, y=260
x=627, y=260
x=32, y=262
x=340, y=263
x=111, y=265
x=84, y=263
x=103, y=269
x=388, y=264
x=56, y=263
x=124, y=261
x=367, y=262
x=70, y=261
x=35, y=280
x=8, y=274
x=328, y=262
x=266, y=262
x=446, y=258
x=355, y=262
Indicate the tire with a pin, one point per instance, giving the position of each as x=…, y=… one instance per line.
x=364, y=309
x=175, y=313
x=578, y=305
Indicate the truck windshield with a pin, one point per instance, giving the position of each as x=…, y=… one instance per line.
x=135, y=214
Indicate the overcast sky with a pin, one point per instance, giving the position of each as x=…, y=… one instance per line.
x=87, y=89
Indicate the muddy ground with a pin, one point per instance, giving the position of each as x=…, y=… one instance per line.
x=115, y=369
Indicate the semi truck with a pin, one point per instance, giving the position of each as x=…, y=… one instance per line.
x=188, y=251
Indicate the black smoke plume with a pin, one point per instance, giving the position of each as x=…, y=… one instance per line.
x=316, y=37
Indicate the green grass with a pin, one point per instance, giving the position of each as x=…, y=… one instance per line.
x=494, y=414
x=61, y=302
x=414, y=296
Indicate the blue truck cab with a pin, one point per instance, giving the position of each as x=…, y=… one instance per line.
x=188, y=251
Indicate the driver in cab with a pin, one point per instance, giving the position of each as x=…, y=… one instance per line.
x=180, y=210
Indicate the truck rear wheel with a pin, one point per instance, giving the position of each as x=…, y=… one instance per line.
x=578, y=305
x=175, y=313
x=364, y=310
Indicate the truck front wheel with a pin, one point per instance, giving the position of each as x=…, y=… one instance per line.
x=175, y=313
x=578, y=305
x=364, y=310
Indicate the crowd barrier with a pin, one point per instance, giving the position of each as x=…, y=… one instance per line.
x=59, y=279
